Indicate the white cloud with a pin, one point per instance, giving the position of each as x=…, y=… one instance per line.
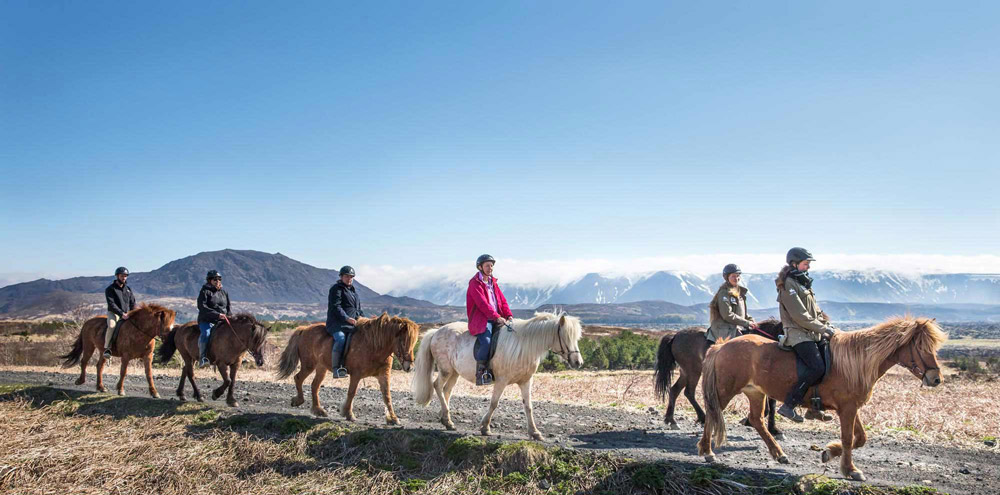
x=385, y=278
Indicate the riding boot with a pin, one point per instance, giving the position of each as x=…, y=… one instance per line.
x=790, y=413
x=483, y=375
x=818, y=415
x=338, y=370
x=202, y=353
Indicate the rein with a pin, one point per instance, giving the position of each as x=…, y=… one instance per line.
x=563, y=350
x=244, y=344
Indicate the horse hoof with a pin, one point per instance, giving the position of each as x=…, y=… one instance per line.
x=449, y=425
x=319, y=412
x=102, y=389
x=537, y=436
x=745, y=422
x=392, y=421
x=485, y=432
x=154, y=395
x=825, y=456
x=79, y=381
x=297, y=401
x=121, y=393
x=857, y=476
x=232, y=403
x=199, y=398
x=216, y=395
x=181, y=398
x=783, y=459
x=710, y=458
x=673, y=426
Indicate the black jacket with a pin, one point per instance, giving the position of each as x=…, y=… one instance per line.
x=343, y=303
x=212, y=303
x=120, y=299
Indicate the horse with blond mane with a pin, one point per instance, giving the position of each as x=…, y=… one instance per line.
x=517, y=357
x=756, y=367
x=372, y=348
x=135, y=340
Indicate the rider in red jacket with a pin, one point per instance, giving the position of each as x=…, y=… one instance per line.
x=488, y=312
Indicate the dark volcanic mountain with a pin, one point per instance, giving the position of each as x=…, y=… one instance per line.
x=248, y=276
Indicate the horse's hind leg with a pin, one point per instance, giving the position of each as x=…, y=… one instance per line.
x=317, y=408
x=121, y=378
x=230, y=400
x=147, y=361
x=689, y=389
x=442, y=387
x=190, y=374
x=834, y=449
x=88, y=351
x=675, y=390
x=526, y=399
x=757, y=421
x=300, y=377
x=498, y=387
x=383, y=384
x=180, y=385
x=771, y=426
x=221, y=389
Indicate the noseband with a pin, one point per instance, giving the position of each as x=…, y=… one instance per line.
x=922, y=369
x=564, y=350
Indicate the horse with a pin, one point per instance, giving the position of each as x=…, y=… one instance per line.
x=135, y=340
x=517, y=356
x=229, y=341
x=687, y=349
x=372, y=348
x=756, y=367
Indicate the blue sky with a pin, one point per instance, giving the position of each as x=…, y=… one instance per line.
x=404, y=134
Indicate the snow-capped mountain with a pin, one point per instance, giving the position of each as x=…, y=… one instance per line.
x=685, y=288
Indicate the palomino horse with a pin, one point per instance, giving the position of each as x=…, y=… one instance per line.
x=517, y=356
x=229, y=341
x=135, y=340
x=757, y=367
x=687, y=349
x=372, y=348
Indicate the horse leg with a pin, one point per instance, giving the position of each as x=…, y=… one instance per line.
x=88, y=351
x=848, y=423
x=317, y=408
x=230, y=400
x=300, y=377
x=121, y=377
x=147, y=362
x=757, y=422
x=225, y=383
x=675, y=390
x=526, y=399
x=347, y=410
x=439, y=386
x=834, y=449
x=190, y=374
x=689, y=389
x=498, y=387
x=771, y=426
x=383, y=383
x=180, y=386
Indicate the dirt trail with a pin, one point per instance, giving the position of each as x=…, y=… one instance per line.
x=627, y=432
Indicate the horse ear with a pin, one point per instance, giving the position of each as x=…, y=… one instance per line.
x=562, y=319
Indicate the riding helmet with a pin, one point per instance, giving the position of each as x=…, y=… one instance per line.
x=730, y=269
x=483, y=259
x=213, y=274
x=798, y=254
x=346, y=270
x=121, y=270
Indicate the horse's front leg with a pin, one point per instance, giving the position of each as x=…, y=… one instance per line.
x=848, y=418
x=121, y=377
x=834, y=449
x=347, y=410
x=317, y=408
x=147, y=362
x=771, y=426
x=383, y=383
x=498, y=387
x=221, y=389
x=526, y=399
x=230, y=400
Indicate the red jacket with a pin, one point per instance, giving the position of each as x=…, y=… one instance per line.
x=477, y=305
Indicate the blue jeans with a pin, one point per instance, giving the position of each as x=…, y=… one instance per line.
x=206, y=332
x=339, y=337
x=484, y=343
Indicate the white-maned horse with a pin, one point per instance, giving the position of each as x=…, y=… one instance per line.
x=517, y=356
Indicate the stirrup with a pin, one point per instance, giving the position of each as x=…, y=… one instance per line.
x=203, y=362
x=485, y=378
x=340, y=372
x=107, y=353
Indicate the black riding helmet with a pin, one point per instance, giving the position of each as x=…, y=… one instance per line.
x=730, y=269
x=483, y=258
x=212, y=275
x=121, y=270
x=346, y=270
x=798, y=254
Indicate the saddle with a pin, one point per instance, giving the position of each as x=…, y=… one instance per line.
x=348, y=336
x=493, y=345
x=800, y=369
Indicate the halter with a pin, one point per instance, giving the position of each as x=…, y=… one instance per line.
x=564, y=351
x=923, y=368
x=238, y=338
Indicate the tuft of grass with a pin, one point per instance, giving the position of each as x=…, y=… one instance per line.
x=292, y=426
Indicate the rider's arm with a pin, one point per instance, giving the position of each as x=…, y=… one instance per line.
x=797, y=312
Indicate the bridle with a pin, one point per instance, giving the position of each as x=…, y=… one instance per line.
x=564, y=351
x=244, y=344
x=914, y=357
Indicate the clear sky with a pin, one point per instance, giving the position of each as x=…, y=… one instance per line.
x=404, y=134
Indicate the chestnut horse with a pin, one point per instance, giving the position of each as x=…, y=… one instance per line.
x=756, y=367
x=229, y=341
x=686, y=349
x=135, y=340
x=372, y=348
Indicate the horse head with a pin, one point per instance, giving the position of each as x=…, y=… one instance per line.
x=568, y=333
x=259, y=339
x=406, y=338
x=919, y=352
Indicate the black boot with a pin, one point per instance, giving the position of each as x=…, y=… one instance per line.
x=790, y=413
x=483, y=374
x=338, y=369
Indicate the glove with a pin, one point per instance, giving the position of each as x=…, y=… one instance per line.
x=829, y=333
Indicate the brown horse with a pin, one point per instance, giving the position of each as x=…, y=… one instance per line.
x=757, y=367
x=686, y=349
x=135, y=340
x=229, y=341
x=372, y=348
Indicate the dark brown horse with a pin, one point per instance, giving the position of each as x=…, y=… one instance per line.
x=687, y=349
x=135, y=340
x=229, y=341
x=756, y=367
x=372, y=348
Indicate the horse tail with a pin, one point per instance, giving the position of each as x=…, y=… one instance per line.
x=290, y=357
x=665, y=365
x=73, y=356
x=166, y=352
x=421, y=384
x=715, y=422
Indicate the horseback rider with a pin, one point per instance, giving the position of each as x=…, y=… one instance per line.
x=727, y=312
x=213, y=307
x=488, y=311
x=804, y=325
x=120, y=302
x=342, y=310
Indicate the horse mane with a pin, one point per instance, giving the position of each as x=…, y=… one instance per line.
x=532, y=337
x=144, y=313
x=258, y=332
x=379, y=332
x=857, y=355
